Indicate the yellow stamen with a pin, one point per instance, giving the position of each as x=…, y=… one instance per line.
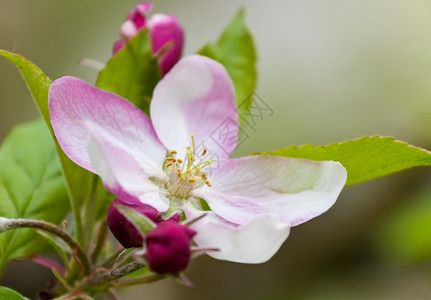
x=192, y=180
x=180, y=161
x=173, y=152
x=204, y=152
x=208, y=183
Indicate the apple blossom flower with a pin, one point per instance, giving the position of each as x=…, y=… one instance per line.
x=163, y=29
x=178, y=162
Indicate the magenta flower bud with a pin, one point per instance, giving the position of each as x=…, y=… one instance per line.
x=122, y=229
x=168, y=247
x=163, y=29
x=138, y=14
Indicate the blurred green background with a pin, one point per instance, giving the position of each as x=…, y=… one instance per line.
x=330, y=70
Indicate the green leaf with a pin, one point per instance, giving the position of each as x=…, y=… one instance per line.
x=31, y=186
x=37, y=82
x=365, y=159
x=8, y=294
x=236, y=51
x=78, y=180
x=132, y=72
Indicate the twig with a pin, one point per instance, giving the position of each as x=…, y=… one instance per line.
x=114, y=274
x=134, y=281
x=70, y=241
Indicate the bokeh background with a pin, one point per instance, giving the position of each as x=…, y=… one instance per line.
x=330, y=70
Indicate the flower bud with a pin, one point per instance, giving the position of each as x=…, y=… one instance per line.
x=168, y=247
x=123, y=230
x=163, y=29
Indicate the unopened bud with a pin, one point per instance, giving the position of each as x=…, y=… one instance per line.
x=122, y=229
x=164, y=30
x=168, y=247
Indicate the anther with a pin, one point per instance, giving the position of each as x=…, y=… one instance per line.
x=173, y=152
x=172, y=159
x=168, y=164
x=204, y=152
x=204, y=176
x=179, y=160
x=208, y=183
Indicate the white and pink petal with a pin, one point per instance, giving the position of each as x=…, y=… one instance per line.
x=196, y=96
x=122, y=175
x=295, y=190
x=254, y=242
x=75, y=106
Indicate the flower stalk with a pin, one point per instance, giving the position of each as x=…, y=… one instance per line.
x=9, y=224
x=102, y=233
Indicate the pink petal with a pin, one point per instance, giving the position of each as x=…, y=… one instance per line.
x=121, y=173
x=166, y=29
x=254, y=242
x=128, y=30
x=295, y=190
x=75, y=105
x=138, y=14
x=196, y=96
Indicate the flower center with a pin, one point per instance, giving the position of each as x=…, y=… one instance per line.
x=186, y=174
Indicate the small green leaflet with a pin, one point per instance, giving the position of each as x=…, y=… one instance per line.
x=31, y=186
x=37, y=82
x=365, y=159
x=8, y=294
x=236, y=51
x=132, y=72
x=78, y=180
x=50, y=239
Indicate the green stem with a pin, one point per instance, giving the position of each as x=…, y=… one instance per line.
x=69, y=240
x=102, y=233
x=87, y=214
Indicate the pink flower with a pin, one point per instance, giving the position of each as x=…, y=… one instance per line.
x=164, y=29
x=179, y=160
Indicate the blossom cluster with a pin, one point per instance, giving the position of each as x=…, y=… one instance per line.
x=243, y=209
